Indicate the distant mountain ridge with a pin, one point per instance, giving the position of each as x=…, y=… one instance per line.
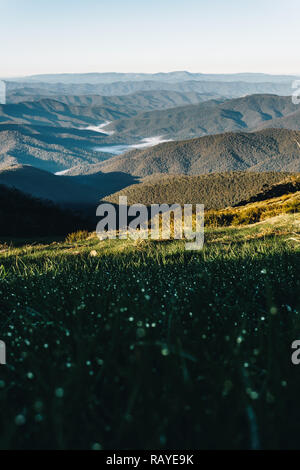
x=175, y=76
x=230, y=89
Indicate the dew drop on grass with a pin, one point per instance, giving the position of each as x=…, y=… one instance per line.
x=140, y=333
x=96, y=446
x=38, y=418
x=165, y=351
x=20, y=420
x=59, y=392
x=38, y=406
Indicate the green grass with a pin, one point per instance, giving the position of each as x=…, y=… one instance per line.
x=152, y=346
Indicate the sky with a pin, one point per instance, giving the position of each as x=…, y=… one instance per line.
x=208, y=36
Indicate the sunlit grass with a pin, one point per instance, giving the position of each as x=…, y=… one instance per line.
x=146, y=345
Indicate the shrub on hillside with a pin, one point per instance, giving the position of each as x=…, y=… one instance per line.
x=78, y=236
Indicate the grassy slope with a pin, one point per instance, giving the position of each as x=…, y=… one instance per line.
x=153, y=347
x=255, y=211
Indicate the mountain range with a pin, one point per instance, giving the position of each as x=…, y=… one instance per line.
x=127, y=122
x=58, y=135
x=177, y=76
x=83, y=193
x=56, y=148
x=18, y=91
x=211, y=117
x=51, y=112
x=84, y=110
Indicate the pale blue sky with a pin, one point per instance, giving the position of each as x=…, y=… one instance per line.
x=48, y=36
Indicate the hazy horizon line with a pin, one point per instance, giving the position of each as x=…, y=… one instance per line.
x=148, y=73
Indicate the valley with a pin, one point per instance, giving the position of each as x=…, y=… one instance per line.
x=181, y=348
x=89, y=160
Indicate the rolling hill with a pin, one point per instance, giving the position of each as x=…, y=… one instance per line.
x=104, y=183
x=45, y=185
x=275, y=208
x=25, y=216
x=76, y=192
x=215, y=191
x=49, y=148
x=291, y=121
x=16, y=90
x=211, y=117
x=140, y=101
x=267, y=150
x=50, y=112
x=127, y=104
x=92, y=110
